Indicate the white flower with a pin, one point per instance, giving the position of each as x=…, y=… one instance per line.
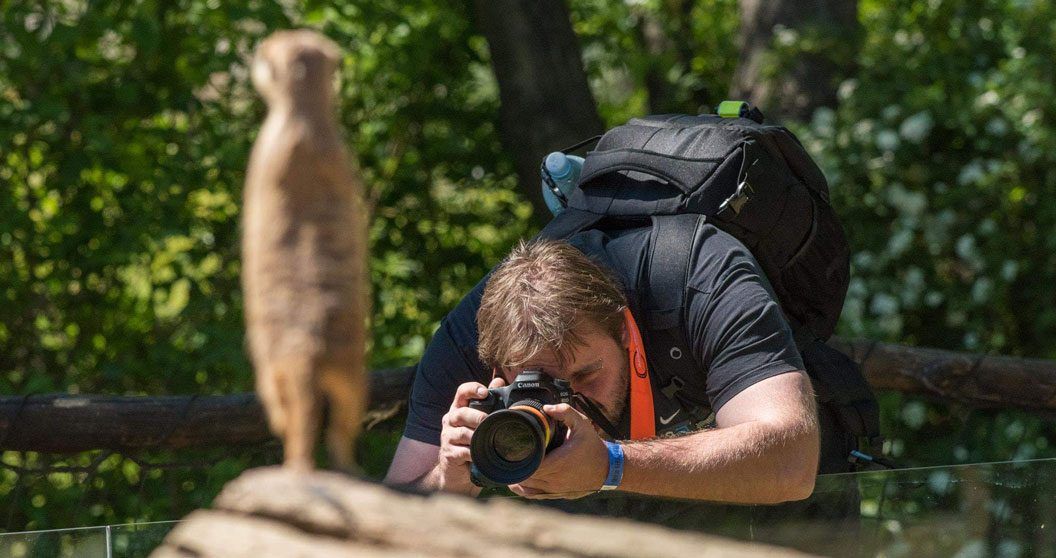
x=887, y=140
x=899, y=242
x=891, y=112
x=884, y=305
x=996, y=127
x=916, y=127
x=846, y=89
x=981, y=290
x=987, y=99
x=1009, y=270
x=965, y=247
x=972, y=173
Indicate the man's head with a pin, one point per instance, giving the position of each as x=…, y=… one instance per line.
x=548, y=306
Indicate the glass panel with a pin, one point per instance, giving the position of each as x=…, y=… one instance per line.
x=993, y=509
x=136, y=540
x=131, y=540
x=89, y=542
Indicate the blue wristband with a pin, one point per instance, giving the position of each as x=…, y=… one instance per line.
x=615, y=477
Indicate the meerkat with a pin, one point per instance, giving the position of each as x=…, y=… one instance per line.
x=304, y=255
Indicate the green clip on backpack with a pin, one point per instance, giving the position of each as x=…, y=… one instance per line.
x=755, y=181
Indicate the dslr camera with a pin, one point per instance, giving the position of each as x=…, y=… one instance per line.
x=512, y=440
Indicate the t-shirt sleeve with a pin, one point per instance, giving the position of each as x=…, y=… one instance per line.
x=735, y=325
x=450, y=360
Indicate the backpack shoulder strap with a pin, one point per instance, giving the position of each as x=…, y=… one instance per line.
x=672, y=246
x=567, y=223
x=670, y=252
x=839, y=384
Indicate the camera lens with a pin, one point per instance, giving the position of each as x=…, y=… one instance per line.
x=509, y=444
x=514, y=441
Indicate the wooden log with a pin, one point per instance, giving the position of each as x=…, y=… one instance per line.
x=72, y=423
x=272, y=512
x=980, y=381
x=61, y=423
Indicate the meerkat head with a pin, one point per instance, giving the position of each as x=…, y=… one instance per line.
x=295, y=67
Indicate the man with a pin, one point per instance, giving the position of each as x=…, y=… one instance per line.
x=560, y=307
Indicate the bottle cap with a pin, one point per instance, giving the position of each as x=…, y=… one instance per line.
x=558, y=165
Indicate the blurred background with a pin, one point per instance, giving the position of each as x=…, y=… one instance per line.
x=125, y=129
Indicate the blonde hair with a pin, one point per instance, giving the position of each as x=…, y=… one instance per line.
x=541, y=297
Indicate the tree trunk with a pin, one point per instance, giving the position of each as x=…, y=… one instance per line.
x=793, y=89
x=666, y=36
x=273, y=512
x=658, y=45
x=546, y=101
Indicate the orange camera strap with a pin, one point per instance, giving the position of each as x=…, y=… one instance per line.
x=643, y=422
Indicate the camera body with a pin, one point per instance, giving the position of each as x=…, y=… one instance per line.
x=528, y=385
x=512, y=440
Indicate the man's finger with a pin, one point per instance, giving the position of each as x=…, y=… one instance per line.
x=533, y=483
x=461, y=436
x=467, y=392
x=457, y=454
x=566, y=414
x=536, y=494
x=458, y=435
x=572, y=495
x=470, y=418
x=525, y=491
x=497, y=382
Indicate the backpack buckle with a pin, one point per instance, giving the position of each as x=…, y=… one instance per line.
x=738, y=199
x=744, y=190
x=673, y=387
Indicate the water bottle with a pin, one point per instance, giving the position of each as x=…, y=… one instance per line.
x=560, y=172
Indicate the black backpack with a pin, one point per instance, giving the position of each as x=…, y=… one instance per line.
x=754, y=181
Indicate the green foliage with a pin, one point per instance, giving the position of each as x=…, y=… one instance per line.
x=656, y=56
x=942, y=161
x=124, y=134
x=98, y=488
x=118, y=244
x=118, y=248
x=420, y=103
x=125, y=127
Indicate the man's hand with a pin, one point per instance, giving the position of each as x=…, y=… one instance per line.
x=575, y=469
x=451, y=473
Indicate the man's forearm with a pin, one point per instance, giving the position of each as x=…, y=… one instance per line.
x=430, y=481
x=410, y=467
x=433, y=481
x=751, y=463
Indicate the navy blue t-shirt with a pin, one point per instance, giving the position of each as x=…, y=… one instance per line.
x=734, y=325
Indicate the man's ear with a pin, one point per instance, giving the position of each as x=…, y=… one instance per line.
x=625, y=338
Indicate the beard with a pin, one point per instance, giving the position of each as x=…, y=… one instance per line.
x=614, y=402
